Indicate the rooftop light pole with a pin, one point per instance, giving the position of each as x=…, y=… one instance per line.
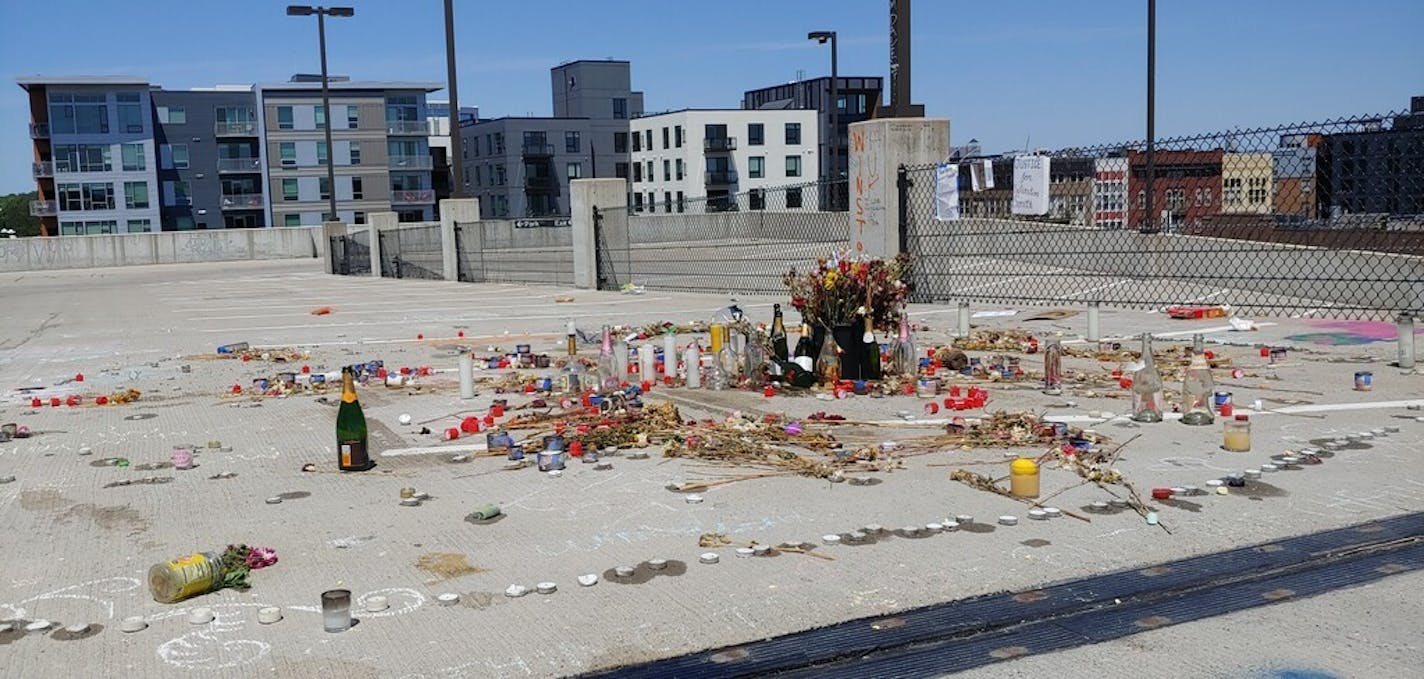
x=821, y=37
x=321, y=14
x=457, y=160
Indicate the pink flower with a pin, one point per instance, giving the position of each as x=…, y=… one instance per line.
x=261, y=557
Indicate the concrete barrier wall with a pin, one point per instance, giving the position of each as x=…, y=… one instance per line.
x=945, y=253
x=168, y=247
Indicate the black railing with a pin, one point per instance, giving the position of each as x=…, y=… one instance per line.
x=719, y=144
x=721, y=177
x=537, y=150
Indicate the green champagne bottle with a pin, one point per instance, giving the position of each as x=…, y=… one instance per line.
x=352, y=455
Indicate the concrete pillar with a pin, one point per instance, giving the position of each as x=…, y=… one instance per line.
x=375, y=222
x=610, y=197
x=877, y=150
x=454, y=211
x=330, y=230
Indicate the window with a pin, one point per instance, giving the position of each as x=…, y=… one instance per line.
x=133, y=157
x=352, y=117
x=323, y=188
x=756, y=134
x=136, y=195
x=291, y=220
x=1231, y=190
x=182, y=193
x=667, y=170
x=287, y=150
x=637, y=201
x=652, y=202
x=284, y=118
x=648, y=138
x=500, y=177
x=183, y=223
x=756, y=199
x=319, y=113
x=679, y=169
x=620, y=170
x=1176, y=199
x=651, y=176
x=140, y=225
x=793, y=166
x=130, y=112
x=289, y=189
x=499, y=142
x=82, y=158
x=756, y=167
x=321, y=153
x=793, y=197
x=677, y=135
x=355, y=153
x=793, y=133
x=620, y=142
x=177, y=115
x=572, y=142
x=1141, y=200
x=637, y=142
x=620, y=108
x=180, y=156
x=637, y=172
x=666, y=136
x=575, y=170
x=1256, y=190
x=72, y=113
x=680, y=203
x=357, y=191
x=71, y=197
x=667, y=201
x=358, y=217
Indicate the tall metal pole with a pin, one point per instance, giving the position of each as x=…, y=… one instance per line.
x=835, y=127
x=1150, y=223
x=326, y=110
x=457, y=169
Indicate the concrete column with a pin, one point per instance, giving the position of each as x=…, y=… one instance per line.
x=453, y=211
x=375, y=223
x=877, y=149
x=330, y=230
x=609, y=196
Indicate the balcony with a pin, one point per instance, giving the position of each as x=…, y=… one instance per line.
x=242, y=201
x=414, y=128
x=721, y=178
x=412, y=196
x=44, y=168
x=411, y=163
x=43, y=208
x=537, y=151
x=719, y=144
x=39, y=130
x=541, y=184
x=247, y=165
x=244, y=129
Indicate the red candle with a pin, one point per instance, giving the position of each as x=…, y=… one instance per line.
x=489, y=420
x=470, y=425
x=405, y=370
x=451, y=434
x=1209, y=355
x=932, y=408
x=237, y=388
x=1265, y=351
x=54, y=402
x=306, y=370
x=79, y=377
x=1125, y=383
x=497, y=410
x=381, y=373
x=101, y=400
x=667, y=380
x=1226, y=410
x=1161, y=493
x=460, y=333
x=35, y=403
x=768, y=391
x=72, y=401
x=576, y=448
x=647, y=386
x=420, y=336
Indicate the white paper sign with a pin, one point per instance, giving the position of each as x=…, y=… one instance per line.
x=1030, y=185
x=981, y=175
x=946, y=192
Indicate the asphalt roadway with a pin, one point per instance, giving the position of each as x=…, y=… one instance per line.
x=78, y=546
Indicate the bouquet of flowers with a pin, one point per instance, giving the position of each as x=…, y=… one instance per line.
x=238, y=561
x=845, y=288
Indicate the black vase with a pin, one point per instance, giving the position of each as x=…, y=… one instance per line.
x=860, y=360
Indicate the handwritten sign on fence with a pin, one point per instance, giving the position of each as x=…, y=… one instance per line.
x=1030, y=185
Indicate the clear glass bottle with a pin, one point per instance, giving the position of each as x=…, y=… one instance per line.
x=1147, y=386
x=1197, y=387
x=903, y=358
x=754, y=362
x=1053, y=369
x=717, y=373
x=620, y=359
x=828, y=363
x=607, y=369
x=730, y=356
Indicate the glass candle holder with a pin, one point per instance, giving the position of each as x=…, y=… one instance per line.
x=336, y=610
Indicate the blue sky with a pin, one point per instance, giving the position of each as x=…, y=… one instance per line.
x=1055, y=72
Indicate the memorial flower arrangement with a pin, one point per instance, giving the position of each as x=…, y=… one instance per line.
x=238, y=561
x=845, y=288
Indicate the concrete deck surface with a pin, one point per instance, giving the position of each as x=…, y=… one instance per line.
x=77, y=551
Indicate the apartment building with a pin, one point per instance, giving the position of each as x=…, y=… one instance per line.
x=1186, y=187
x=1295, y=166
x=438, y=115
x=1376, y=169
x=1110, y=193
x=857, y=99
x=209, y=159
x=1247, y=180
x=381, y=149
x=718, y=153
x=94, y=159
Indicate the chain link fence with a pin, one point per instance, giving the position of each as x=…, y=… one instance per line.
x=537, y=251
x=351, y=254
x=735, y=242
x=1320, y=219
x=412, y=252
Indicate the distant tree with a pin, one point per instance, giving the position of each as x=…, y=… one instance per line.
x=15, y=214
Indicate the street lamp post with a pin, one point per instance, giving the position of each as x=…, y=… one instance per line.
x=457, y=169
x=821, y=37
x=321, y=14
